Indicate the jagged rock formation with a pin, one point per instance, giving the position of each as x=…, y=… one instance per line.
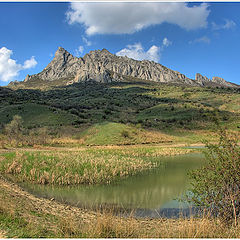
x=102, y=66
x=219, y=80
x=204, y=81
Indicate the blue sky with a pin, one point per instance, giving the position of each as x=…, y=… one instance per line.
x=187, y=37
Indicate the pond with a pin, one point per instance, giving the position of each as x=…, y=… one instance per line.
x=152, y=193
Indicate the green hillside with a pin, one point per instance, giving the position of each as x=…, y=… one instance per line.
x=36, y=115
x=109, y=133
x=138, y=108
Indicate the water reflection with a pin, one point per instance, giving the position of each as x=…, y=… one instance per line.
x=156, y=189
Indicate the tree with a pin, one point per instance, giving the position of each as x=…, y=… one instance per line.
x=216, y=185
x=14, y=129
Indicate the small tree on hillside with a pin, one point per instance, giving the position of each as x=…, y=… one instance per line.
x=14, y=129
x=217, y=184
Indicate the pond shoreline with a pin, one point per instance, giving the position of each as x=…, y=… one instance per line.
x=25, y=215
x=64, y=207
x=167, y=166
x=103, y=197
x=138, y=213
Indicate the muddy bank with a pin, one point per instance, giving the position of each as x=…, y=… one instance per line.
x=41, y=204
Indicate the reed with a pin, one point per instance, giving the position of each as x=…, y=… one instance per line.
x=85, y=166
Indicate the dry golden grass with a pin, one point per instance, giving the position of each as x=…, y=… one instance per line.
x=110, y=226
x=63, y=141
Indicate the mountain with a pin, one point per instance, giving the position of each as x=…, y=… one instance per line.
x=103, y=66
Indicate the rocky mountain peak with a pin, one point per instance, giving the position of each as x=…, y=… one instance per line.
x=60, y=51
x=103, y=66
x=99, y=53
x=62, y=55
x=105, y=52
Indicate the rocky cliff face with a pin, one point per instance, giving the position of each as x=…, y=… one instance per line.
x=204, y=81
x=102, y=66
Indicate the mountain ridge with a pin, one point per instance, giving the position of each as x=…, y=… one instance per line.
x=103, y=66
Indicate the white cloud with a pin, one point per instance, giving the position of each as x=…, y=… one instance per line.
x=30, y=63
x=86, y=41
x=79, y=51
x=203, y=39
x=137, y=52
x=9, y=68
x=166, y=42
x=229, y=24
x=129, y=17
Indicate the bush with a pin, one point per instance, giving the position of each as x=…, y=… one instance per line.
x=125, y=134
x=216, y=186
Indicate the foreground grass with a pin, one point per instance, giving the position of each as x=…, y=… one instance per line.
x=85, y=166
x=21, y=216
x=24, y=215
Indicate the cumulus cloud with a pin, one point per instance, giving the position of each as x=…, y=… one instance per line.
x=129, y=17
x=9, y=68
x=229, y=24
x=79, y=51
x=137, y=52
x=203, y=39
x=30, y=63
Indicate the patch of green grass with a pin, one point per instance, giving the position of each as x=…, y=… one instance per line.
x=110, y=133
x=17, y=226
x=19, y=219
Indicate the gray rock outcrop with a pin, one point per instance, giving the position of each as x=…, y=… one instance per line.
x=202, y=80
x=219, y=80
x=102, y=66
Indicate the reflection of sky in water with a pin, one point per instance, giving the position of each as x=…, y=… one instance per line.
x=152, y=190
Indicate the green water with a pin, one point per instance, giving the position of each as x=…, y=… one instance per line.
x=155, y=189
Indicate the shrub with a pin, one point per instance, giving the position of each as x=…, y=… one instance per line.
x=217, y=184
x=15, y=127
x=125, y=134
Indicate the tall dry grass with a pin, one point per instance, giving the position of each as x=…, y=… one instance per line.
x=109, y=226
x=86, y=166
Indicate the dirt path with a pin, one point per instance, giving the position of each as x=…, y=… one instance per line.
x=48, y=148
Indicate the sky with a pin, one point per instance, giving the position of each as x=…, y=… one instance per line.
x=187, y=37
